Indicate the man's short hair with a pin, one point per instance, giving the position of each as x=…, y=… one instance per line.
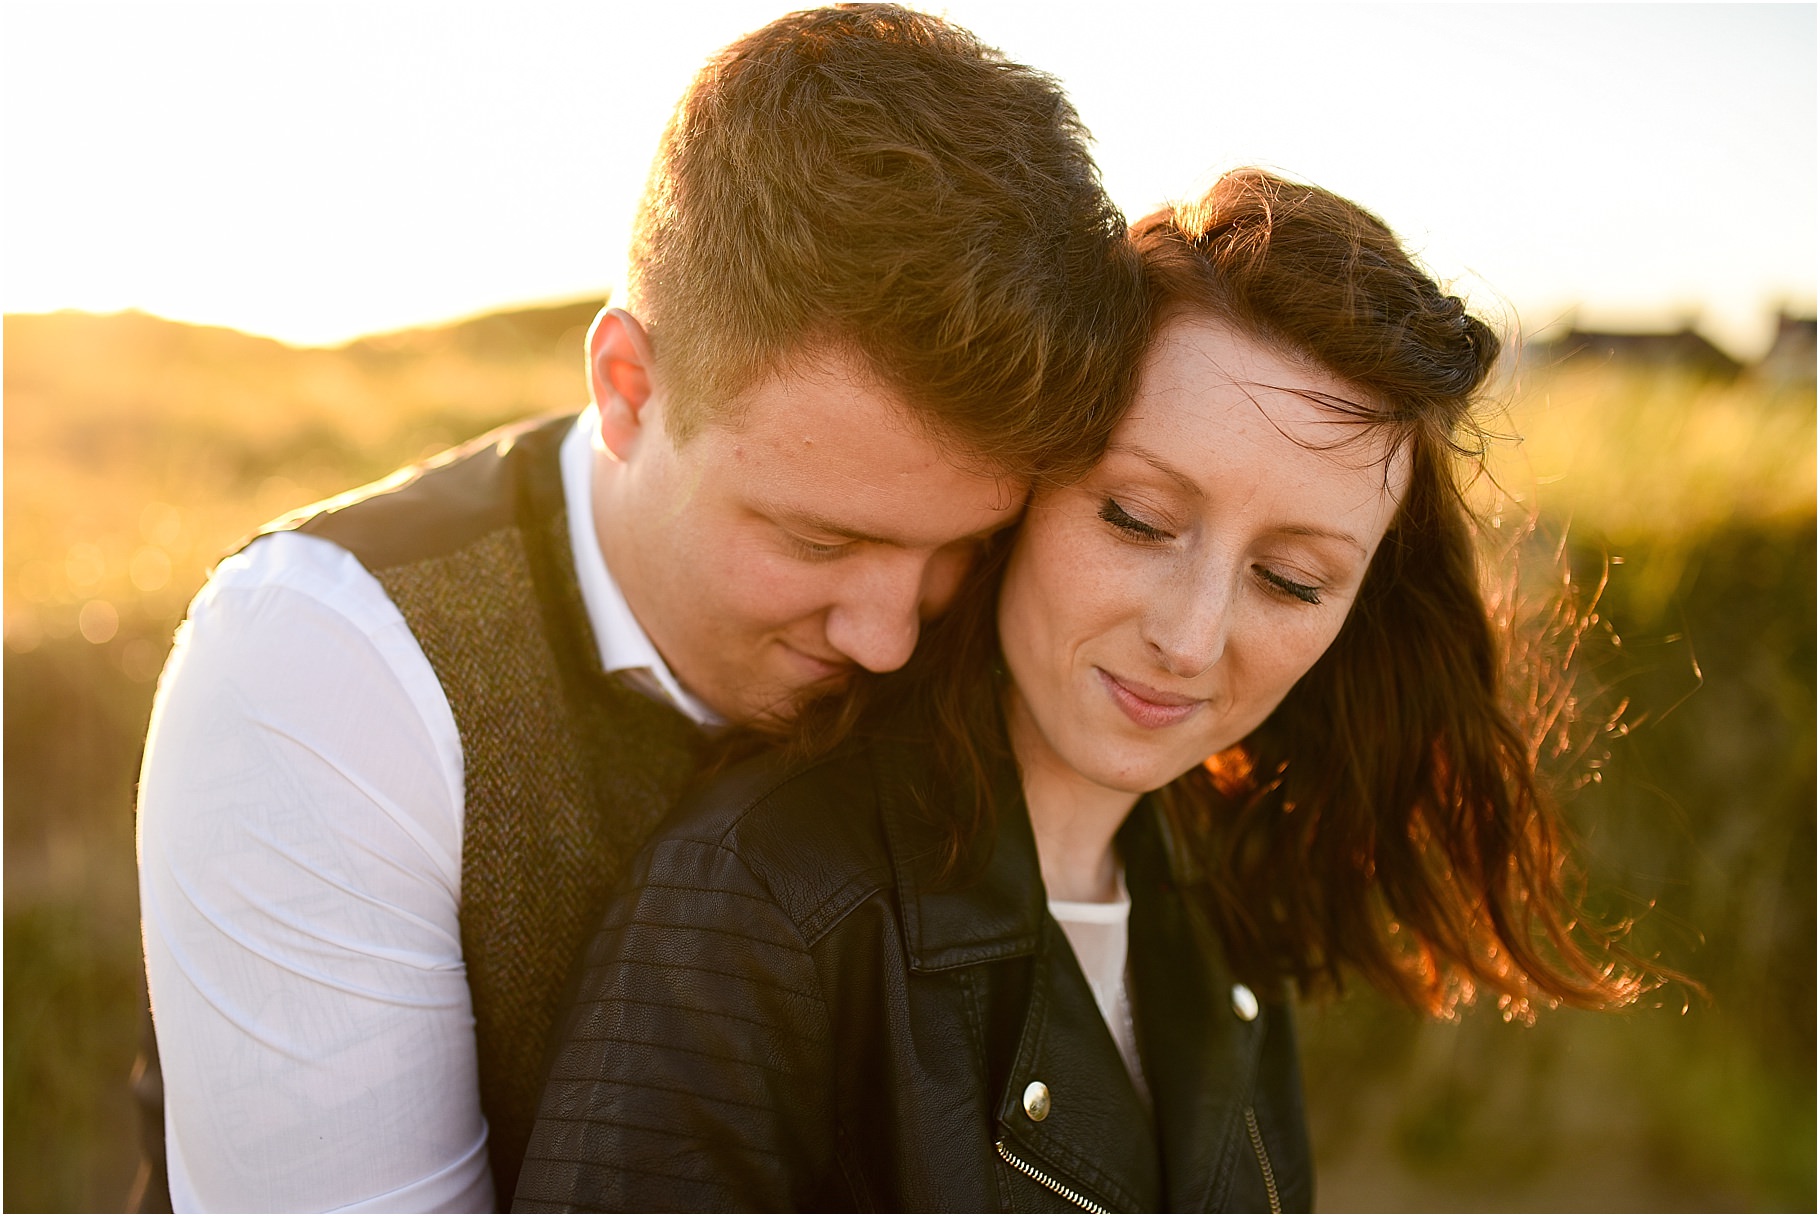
x=875, y=181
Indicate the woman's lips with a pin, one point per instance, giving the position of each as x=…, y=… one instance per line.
x=1145, y=706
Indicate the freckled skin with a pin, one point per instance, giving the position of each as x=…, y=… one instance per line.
x=1150, y=615
x=813, y=538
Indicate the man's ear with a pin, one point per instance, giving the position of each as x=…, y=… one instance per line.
x=620, y=370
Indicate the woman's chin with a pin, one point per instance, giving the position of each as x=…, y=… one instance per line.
x=1130, y=774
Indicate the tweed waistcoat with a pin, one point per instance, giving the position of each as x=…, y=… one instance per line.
x=566, y=770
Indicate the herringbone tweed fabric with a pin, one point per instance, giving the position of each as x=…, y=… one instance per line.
x=566, y=770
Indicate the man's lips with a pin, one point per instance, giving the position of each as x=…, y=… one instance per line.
x=1145, y=706
x=818, y=667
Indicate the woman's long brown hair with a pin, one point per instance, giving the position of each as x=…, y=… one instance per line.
x=1387, y=818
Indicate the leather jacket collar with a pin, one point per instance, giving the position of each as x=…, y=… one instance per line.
x=998, y=913
x=1200, y=1057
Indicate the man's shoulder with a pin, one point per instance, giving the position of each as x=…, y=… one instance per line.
x=297, y=570
x=289, y=591
x=439, y=505
x=809, y=831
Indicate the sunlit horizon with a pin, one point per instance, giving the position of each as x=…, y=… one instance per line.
x=1531, y=326
x=318, y=172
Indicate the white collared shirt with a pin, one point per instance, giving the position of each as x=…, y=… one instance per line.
x=624, y=645
x=300, y=824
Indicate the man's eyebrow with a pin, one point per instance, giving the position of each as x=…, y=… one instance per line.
x=811, y=522
x=814, y=522
x=1188, y=485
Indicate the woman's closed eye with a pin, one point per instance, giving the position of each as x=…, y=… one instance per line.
x=1130, y=525
x=1283, y=585
x=1134, y=529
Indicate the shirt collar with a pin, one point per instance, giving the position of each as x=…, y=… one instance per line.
x=624, y=645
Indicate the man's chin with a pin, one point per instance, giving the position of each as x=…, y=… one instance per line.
x=778, y=707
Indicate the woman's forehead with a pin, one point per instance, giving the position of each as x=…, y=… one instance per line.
x=1202, y=370
x=1217, y=409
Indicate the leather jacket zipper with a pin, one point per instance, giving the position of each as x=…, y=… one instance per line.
x=1257, y=1145
x=1066, y=1193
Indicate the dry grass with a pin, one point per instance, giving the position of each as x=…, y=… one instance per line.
x=1638, y=454
x=1635, y=458
x=136, y=452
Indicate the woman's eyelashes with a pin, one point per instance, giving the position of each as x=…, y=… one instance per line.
x=1134, y=529
x=1130, y=525
x=1307, y=593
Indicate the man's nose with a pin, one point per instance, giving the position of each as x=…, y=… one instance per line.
x=876, y=621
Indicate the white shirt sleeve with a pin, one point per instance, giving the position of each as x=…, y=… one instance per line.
x=300, y=819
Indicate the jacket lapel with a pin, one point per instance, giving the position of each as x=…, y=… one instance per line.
x=1095, y=1133
x=1200, y=1058
x=996, y=910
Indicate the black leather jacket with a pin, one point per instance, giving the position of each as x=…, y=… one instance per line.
x=783, y=1010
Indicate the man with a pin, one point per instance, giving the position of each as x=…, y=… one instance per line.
x=407, y=740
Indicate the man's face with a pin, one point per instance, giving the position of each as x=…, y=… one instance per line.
x=810, y=534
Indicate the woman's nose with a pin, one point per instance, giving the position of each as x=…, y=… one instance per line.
x=1188, y=627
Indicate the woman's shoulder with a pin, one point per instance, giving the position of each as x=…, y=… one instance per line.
x=808, y=832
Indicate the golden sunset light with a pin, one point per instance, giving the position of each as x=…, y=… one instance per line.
x=315, y=171
x=1536, y=673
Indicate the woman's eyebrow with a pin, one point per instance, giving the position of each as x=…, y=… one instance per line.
x=1162, y=466
x=1330, y=534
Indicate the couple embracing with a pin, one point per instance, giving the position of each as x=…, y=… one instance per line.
x=902, y=744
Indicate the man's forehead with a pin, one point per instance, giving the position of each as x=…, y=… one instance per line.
x=825, y=447
x=831, y=372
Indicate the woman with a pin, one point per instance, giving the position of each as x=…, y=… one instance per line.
x=1233, y=720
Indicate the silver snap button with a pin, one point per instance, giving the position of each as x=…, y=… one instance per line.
x=1036, y=1101
x=1244, y=1002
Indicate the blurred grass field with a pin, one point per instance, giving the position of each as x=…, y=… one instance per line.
x=137, y=451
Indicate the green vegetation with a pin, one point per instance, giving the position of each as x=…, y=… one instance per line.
x=1693, y=503
x=137, y=451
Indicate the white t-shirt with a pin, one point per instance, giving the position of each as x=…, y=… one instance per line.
x=1099, y=932
x=300, y=824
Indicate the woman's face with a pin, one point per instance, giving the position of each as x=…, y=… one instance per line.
x=1156, y=612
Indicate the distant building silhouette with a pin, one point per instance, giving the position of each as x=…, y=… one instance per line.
x=1791, y=355
x=1684, y=350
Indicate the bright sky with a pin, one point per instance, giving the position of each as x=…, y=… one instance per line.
x=314, y=171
